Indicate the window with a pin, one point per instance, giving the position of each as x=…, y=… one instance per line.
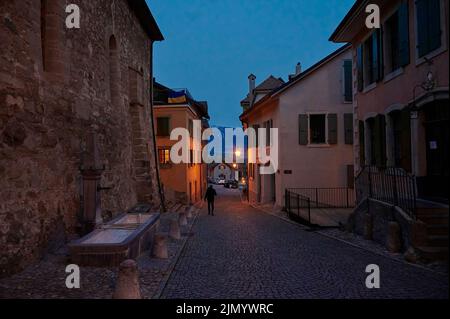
x=318, y=129
x=369, y=61
x=396, y=31
x=348, y=81
x=256, y=128
x=428, y=26
x=191, y=127
x=348, y=128
x=317, y=134
x=163, y=126
x=164, y=156
x=268, y=125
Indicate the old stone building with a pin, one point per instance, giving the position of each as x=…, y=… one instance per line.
x=75, y=106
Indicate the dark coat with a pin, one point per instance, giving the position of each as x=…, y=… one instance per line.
x=210, y=194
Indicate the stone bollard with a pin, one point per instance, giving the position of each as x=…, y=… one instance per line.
x=174, y=231
x=189, y=212
x=368, y=226
x=411, y=255
x=394, y=241
x=127, y=285
x=182, y=219
x=160, y=246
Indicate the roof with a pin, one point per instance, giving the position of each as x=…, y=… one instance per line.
x=161, y=96
x=296, y=79
x=269, y=84
x=351, y=14
x=146, y=19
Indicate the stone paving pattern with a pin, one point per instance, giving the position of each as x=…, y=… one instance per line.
x=244, y=253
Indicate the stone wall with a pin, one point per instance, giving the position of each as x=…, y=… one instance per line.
x=371, y=219
x=47, y=110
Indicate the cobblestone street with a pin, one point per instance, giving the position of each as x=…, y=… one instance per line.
x=242, y=252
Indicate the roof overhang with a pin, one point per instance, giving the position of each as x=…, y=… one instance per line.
x=352, y=23
x=148, y=22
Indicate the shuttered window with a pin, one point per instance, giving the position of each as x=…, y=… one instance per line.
x=371, y=60
x=379, y=141
x=377, y=57
x=428, y=26
x=348, y=81
x=362, y=143
x=303, y=129
x=348, y=127
x=332, y=129
x=360, y=66
x=396, y=35
x=317, y=133
x=403, y=34
x=163, y=126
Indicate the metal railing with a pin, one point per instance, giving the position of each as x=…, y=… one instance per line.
x=391, y=185
x=297, y=206
x=337, y=197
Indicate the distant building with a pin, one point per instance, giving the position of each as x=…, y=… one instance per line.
x=313, y=114
x=176, y=108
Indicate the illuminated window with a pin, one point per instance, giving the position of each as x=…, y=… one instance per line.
x=164, y=156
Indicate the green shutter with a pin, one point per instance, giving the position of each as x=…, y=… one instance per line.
x=303, y=129
x=359, y=59
x=362, y=143
x=332, y=129
x=377, y=63
x=380, y=141
x=434, y=28
x=348, y=126
x=403, y=37
x=348, y=81
x=422, y=26
x=406, y=140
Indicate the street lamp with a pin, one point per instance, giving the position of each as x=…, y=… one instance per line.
x=428, y=85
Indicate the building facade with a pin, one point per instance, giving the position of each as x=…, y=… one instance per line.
x=400, y=68
x=185, y=182
x=74, y=108
x=313, y=114
x=401, y=110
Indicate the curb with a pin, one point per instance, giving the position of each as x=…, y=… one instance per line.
x=163, y=283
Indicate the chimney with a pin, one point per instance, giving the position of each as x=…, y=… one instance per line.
x=251, y=83
x=298, y=68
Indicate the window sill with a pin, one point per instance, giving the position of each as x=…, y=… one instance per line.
x=319, y=145
x=430, y=55
x=369, y=88
x=393, y=75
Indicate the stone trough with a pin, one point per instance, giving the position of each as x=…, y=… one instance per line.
x=125, y=237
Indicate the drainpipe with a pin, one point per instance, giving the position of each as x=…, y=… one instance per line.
x=155, y=149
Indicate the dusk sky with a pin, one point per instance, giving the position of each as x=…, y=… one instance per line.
x=211, y=46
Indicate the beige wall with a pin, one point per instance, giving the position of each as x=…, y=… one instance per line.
x=311, y=165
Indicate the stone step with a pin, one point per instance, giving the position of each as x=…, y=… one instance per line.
x=434, y=219
x=433, y=253
x=438, y=241
x=437, y=229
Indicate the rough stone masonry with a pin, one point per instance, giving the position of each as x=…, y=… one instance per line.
x=58, y=88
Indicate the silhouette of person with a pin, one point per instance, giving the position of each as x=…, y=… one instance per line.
x=209, y=196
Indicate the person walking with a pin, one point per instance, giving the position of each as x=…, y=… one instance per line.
x=210, y=196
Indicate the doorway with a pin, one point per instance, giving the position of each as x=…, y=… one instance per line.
x=437, y=150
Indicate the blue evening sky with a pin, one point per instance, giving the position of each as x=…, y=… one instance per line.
x=211, y=46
